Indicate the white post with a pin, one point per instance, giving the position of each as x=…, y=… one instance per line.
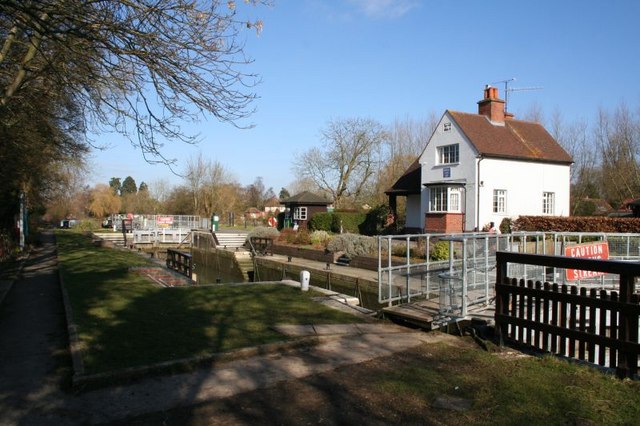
x=304, y=280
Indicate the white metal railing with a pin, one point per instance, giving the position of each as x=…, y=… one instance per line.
x=467, y=276
x=160, y=235
x=157, y=221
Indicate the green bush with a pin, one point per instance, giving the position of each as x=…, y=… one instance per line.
x=321, y=222
x=375, y=221
x=505, y=226
x=439, y=251
x=350, y=222
x=352, y=245
x=280, y=217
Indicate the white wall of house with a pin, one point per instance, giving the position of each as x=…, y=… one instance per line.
x=524, y=184
x=413, y=217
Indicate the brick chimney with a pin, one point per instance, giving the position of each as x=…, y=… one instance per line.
x=492, y=106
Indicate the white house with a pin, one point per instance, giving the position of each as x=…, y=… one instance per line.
x=481, y=168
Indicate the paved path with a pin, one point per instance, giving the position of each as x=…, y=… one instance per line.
x=33, y=342
x=35, y=364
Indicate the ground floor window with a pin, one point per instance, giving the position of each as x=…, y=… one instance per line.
x=444, y=199
x=499, y=200
x=548, y=203
x=300, y=213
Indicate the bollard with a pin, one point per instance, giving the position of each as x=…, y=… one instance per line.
x=304, y=280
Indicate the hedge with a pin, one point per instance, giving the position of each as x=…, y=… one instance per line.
x=350, y=221
x=576, y=224
x=321, y=222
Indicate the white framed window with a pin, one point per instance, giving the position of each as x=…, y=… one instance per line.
x=444, y=199
x=448, y=154
x=548, y=203
x=499, y=200
x=300, y=213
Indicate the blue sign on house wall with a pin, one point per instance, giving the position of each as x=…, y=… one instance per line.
x=446, y=172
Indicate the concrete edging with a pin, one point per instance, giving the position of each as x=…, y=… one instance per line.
x=72, y=330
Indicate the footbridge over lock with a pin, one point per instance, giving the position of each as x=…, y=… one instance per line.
x=433, y=280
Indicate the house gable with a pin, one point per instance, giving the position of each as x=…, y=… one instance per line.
x=447, y=133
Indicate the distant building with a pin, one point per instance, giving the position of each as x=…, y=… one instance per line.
x=301, y=207
x=273, y=206
x=481, y=168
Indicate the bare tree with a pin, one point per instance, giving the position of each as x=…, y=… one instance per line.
x=348, y=159
x=160, y=190
x=618, y=139
x=585, y=171
x=206, y=180
x=137, y=66
x=407, y=139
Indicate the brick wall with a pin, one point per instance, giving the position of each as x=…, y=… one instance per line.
x=444, y=222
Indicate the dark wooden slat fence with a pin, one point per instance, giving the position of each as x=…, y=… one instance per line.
x=593, y=325
x=180, y=262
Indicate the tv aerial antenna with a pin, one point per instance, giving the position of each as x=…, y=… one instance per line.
x=508, y=89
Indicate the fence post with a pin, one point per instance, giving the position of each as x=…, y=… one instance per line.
x=501, y=305
x=627, y=362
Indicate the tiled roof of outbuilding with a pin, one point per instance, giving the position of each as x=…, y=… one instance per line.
x=308, y=198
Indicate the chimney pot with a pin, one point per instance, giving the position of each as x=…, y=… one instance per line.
x=492, y=106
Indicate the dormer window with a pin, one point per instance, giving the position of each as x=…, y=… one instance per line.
x=447, y=127
x=448, y=154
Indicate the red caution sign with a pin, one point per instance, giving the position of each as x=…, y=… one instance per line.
x=586, y=251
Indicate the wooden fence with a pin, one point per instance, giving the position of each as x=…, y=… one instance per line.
x=180, y=261
x=593, y=325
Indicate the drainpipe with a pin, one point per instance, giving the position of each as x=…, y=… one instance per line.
x=480, y=158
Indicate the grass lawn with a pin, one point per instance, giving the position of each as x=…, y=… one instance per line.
x=125, y=321
x=509, y=389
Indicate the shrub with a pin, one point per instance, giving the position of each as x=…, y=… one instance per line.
x=87, y=225
x=350, y=222
x=505, y=226
x=280, y=217
x=303, y=237
x=375, y=221
x=439, y=251
x=319, y=238
x=264, y=232
x=321, y=222
x=352, y=244
x=288, y=235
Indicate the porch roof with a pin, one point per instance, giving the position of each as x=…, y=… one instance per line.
x=409, y=183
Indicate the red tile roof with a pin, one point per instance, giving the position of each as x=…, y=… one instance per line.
x=516, y=139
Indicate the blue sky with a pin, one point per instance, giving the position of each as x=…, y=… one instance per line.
x=389, y=59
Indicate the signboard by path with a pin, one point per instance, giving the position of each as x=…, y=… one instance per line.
x=599, y=250
x=164, y=221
